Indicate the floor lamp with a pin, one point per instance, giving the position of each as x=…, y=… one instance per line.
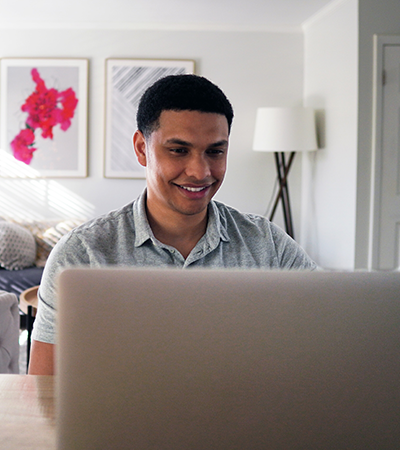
x=281, y=130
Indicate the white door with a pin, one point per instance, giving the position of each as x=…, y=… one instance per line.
x=387, y=230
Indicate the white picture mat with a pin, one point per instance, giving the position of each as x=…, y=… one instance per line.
x=66, y=154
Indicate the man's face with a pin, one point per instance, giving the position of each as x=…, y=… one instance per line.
x=185, y=160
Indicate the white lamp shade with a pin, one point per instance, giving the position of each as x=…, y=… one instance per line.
x=285, y=129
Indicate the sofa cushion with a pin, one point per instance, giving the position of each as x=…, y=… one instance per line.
x=17, y=281
x=17, y=246
x=47, y=233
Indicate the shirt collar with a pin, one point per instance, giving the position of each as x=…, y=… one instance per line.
x=215, y=232
x=143, y=231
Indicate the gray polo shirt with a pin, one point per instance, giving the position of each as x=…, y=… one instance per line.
x=124, y=238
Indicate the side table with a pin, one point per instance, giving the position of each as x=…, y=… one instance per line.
x=28, y=303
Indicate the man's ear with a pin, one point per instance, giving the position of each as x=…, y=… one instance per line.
x=139, y=145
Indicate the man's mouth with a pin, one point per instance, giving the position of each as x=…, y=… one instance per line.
x=194, y=189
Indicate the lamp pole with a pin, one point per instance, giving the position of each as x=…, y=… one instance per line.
x=282, y=170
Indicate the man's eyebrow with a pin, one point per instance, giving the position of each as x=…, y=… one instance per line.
x=222, y=143
x=177, y=141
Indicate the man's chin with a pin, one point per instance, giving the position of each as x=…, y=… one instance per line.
x=191, y=210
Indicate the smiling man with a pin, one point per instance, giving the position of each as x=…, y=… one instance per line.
x=184, y=123
x=185, y=159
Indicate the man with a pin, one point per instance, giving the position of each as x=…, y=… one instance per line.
x=182, y=139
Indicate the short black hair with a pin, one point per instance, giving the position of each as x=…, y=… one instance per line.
x=180, y=93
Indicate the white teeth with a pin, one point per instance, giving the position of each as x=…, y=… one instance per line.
x=192, y=189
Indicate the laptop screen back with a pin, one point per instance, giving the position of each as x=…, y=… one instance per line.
x=214, y=359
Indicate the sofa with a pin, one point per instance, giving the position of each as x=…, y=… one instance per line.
x=24, y=248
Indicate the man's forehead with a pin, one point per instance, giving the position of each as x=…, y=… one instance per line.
x=180, y=117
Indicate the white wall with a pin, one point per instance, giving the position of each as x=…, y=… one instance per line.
x=253, y=68
x=329, y=175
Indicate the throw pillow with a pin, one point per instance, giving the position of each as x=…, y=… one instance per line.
x=17, y=247
x=37, y=228
x=47, y=233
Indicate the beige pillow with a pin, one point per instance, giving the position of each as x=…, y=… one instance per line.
x=43, y=249
x=47, y=233
x=17, y=246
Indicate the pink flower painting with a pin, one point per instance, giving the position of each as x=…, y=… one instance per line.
x=22, y=145
x=46, y=108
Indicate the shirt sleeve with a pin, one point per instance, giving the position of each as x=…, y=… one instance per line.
x=67, y=252
x=290, y=254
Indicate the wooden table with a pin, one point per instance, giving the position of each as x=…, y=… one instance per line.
x=29, y=298
x=27, y=415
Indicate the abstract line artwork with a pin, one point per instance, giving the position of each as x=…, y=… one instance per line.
x=127, y=79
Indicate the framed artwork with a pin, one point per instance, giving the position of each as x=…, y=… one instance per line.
x=126, y=80
x=43, y=112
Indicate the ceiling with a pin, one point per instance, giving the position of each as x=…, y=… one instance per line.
x=183, y=14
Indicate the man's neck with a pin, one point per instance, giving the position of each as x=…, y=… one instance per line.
x=179, y=231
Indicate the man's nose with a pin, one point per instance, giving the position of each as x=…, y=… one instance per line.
x=198, y=167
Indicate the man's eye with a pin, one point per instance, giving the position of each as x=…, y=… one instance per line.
x=177, y=150
x=215, y=152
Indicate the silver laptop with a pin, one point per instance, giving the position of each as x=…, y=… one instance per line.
x=214, y=359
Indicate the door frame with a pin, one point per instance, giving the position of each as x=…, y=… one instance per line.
x=380, y=41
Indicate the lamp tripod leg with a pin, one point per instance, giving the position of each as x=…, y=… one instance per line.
x=282, y=170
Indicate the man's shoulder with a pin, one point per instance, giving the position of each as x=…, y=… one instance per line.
x=106, y=222
x=95, y=239
x=274, y=248
x=229, y=214
x=254, y=228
